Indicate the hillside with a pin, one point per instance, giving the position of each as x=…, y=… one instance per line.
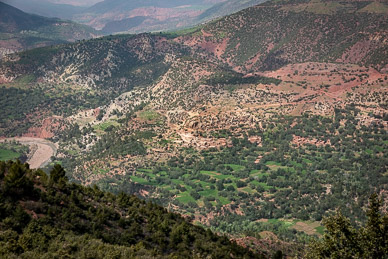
x=45, y=216
x=20, y=31
x=46, y=8
x=257, y=137
x=227, y=8
x=143, y=16
x=269, y=36
x=114, y=16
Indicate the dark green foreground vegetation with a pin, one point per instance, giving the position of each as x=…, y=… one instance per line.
x=47, y=217
x=342, y=240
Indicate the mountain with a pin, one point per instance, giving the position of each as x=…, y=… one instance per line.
x=148, y=15
x=271, y=35
x=46, y=8
x=226, y=8
x=75, y=2
x=21, y=31
x=45, y=216
x=114, y=16
x=257, y=124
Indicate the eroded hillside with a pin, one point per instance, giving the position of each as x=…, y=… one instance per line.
x=258, y=123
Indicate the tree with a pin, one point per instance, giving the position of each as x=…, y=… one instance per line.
x=16, y=182
x=375, y=232
x=58, y=174
x=342, y=240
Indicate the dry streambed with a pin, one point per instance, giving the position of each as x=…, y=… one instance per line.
x=41, y=150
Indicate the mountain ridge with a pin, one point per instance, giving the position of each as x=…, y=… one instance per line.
x=257, y=124
x=22, y=31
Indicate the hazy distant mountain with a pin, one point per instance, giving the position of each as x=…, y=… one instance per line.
x=75, y=2
x=227, y=7
x=274, y=113
x=140, y=16
x=113, y=16
x=20, y=30
x=46, y=8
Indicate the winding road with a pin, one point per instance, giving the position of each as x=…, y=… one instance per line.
x=42, y=150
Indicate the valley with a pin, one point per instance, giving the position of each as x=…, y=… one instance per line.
x=21, y=31
x=41, y=150
x=256, y=125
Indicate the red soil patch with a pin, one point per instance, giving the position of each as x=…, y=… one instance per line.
x=47, y=129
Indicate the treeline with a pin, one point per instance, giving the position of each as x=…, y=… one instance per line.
x=45, y=216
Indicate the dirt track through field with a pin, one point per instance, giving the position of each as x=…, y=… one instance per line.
x=42, y=150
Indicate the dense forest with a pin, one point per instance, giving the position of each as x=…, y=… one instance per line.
x=45, y=216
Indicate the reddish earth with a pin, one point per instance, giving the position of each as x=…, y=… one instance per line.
x=47, y=129
x=268, y=243
x=300, y=141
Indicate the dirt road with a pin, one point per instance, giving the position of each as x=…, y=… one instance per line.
x=42, y=150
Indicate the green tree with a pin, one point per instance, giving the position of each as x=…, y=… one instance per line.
x=375, y=233
x=342, y=240
x=16, y=181
x=57, y=174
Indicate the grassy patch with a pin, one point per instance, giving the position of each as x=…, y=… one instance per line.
x=185, y=197
x=272, y=163
x=210, y=173
x=6, y=154
x=247, y=190
x=140, y=180
x=223, y=200
x=265, y=186
x=208, y=192
x=257, y=173
x=103, y=126
x=149, y=115
x=379, y=149
x=235, y=167
x=320, y=230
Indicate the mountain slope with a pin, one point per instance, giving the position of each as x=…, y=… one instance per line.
x=21, y=31
x=272, y=35
x=262, y=121
x=46, y=8
x=156, y=15
x=94, y=72
x=143, y=16
x=46, y=217
x=227, y=8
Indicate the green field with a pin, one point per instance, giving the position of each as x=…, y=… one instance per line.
x=103, y=126
x=6, y=154
x=149, y=115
